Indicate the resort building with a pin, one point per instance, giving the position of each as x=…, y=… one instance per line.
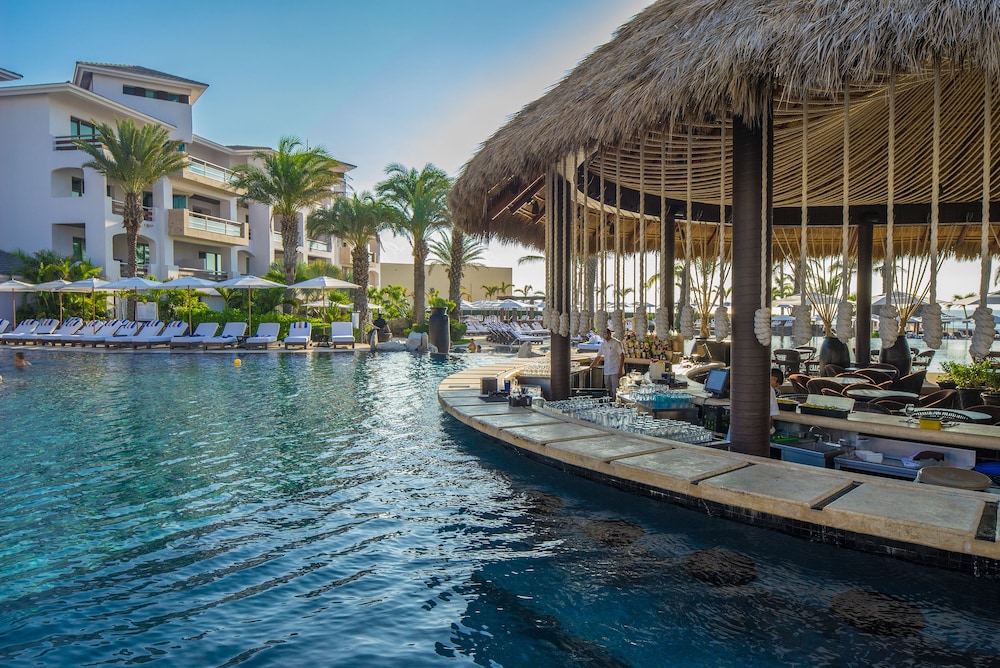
x=473, y=278
x=195, y=222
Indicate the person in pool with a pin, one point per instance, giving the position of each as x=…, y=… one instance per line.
x=19, y=361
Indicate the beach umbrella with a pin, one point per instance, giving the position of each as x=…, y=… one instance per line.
x=87, y=285
x=189, y=283
x=248, y=283
x=324, y=283
x=55, y=286
x=133, y=283
x=13, y=286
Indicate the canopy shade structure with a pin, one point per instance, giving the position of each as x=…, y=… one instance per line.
x=189, y=284
x=53, y=286
x=248, y=283
x=324, y=283
x=626, y=110
x=89, y=286
x=745, y=132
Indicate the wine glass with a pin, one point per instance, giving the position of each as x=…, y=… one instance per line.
x=908, y=412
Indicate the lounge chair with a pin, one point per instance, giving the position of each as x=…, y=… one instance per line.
x=27, y=326
x=90, y=327
x=203, y=331
x=4, y=325
x=300, y=334
x=267, y=333
x=107, y=329
x=128, y=330
x=341, y=333
x=230, y=336
x=45, y=327
x=69, y=327
x=174, y=329
x=151, y=330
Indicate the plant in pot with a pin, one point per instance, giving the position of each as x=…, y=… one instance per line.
x=991, y=396
x=824, y=279
x=970, y=380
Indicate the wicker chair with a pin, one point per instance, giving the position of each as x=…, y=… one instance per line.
x=939, y=399
x=798, y=381
x=992, y=411
x=922, y=360
x=913, y=382
x=789, y=361
x=817, y=385
x=831, y=370
x=876, y=376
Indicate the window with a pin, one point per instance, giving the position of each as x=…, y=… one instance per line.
x=79, y=248
x=76, y=186
x=110, y=190
x=213, y=261
x=78, y=128
x=153, y=94
x=142, y=254
x=147, y=200
x=180, y=202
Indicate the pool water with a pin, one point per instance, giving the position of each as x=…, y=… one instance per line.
x=322, y=510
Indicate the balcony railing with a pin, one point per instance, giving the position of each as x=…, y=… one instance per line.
x=140, y=269
x=203, y=273
x=322, y=246
x=65, y=142
x=186, y=223
x=209, y=170
x=118, y=208
x=206, y=223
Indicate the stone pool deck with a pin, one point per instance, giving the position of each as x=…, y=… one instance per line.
x=939, y=526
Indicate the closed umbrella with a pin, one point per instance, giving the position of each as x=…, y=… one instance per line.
x=133, y=283
x=188, y=283
x=56, y=287
x=248, y=283
x=13, y=286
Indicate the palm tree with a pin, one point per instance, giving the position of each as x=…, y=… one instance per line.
x=292, y=178
x=355, y=220
x=135, y=158
x=421, y=200
x=490, y=290
x=457, y=253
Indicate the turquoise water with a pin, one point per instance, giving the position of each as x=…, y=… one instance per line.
x=174, y=509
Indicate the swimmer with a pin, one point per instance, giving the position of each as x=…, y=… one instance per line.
x=20, y=362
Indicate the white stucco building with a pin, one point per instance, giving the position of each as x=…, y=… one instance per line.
x=195, y=224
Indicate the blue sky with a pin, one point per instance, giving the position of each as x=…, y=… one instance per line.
x=375, y=81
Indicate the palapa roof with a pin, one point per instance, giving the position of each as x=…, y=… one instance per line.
x=682, y=68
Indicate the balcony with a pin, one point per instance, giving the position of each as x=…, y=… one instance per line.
x=320, y=246
x=65, y=142
x=208, y=174
x=186, y=223
x=118, y=208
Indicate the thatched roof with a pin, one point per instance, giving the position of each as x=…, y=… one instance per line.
x=685, y=64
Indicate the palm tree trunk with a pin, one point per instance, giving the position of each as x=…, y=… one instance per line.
x=131, y=220
x=420, y=252
x=455, y=271
x=360, y=266
x=290, y=243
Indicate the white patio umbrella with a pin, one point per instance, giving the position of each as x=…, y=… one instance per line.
x=248, y=283
x=324, y=283
x=55, y=286
x=86, y=285
x=13, y=286
x=188, y=283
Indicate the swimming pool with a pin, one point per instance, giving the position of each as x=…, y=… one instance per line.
x=321, y=510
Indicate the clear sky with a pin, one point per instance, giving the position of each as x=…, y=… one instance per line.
x=374, y=81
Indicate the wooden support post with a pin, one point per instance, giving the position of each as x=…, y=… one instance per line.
x=863, y=328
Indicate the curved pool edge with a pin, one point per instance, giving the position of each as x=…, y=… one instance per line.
x=937, y=526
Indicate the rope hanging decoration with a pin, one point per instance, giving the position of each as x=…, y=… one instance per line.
x=549, y=249
x=722, y=325
x=888, y=319
x=931, y=314
x=618, y=315
x=802, y=312
x=663, y=316
x=641, y=324
x=845, y=309
x=586, y=292
x=601, y=322
x=574, y=313
x=567, y=260
x=687, y=312
x=982, y=336
x=762, y=316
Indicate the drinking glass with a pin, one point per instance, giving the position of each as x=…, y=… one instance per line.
x=908, y=412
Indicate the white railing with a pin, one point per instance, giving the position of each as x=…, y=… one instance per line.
x=209, y=170
x=276, y=236
x=206, y=223
x=323, y=246
x=118, y=208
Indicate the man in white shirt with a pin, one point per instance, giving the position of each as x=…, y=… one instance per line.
x=613, y=354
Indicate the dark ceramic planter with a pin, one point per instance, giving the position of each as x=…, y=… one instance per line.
x=970, y=396
x=439, y=329
x=991, y=398
x=832, y=351
x=898, y=355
